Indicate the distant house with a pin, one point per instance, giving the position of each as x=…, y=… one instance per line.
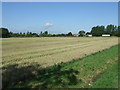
x=76, y=35
x=89, y=35
x=105, y=35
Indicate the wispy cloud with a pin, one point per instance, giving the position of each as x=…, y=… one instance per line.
x=48, y=24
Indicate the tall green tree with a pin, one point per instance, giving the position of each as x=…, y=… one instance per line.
x=118, y=31
x=46, y=32
x=95, y=31
x=110, y=29
x=81, y=33
x=69, y=34
x=115, y=33
x=41, y=33
x=98, y=30
x=4, y=33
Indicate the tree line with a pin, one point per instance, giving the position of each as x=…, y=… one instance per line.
x=109, y=29
x=95, y=31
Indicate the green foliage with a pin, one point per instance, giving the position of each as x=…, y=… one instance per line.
x=28, y=34
x=46, y=32
x=110, y=29
x=4, y=33
x=69, y=34
x=88, y=33
x=82, y=33
x=118, y=31
x=98, y=30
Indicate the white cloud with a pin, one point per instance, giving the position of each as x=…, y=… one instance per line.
x=48, y=24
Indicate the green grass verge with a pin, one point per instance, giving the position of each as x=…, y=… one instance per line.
x=97, y=70
x=109, y=79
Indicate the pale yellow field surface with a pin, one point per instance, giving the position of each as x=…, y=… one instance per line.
x=50, y=50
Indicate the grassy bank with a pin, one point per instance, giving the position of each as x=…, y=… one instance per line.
x=109, y=79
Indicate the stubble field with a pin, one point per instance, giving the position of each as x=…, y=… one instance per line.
x=47, y=51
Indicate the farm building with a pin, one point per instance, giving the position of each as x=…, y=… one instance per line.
x=76, y=35
x=105, y=35
x=89, y=35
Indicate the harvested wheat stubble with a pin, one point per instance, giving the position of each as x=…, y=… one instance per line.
x=50, y=50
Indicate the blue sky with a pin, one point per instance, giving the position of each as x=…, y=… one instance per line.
x=57, y=17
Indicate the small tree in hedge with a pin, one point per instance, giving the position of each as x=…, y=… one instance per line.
x=4, y=33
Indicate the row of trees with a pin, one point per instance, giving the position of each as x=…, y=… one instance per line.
x=99, y=30
x=4, y=33
x=96, y=31
x=109, y=29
